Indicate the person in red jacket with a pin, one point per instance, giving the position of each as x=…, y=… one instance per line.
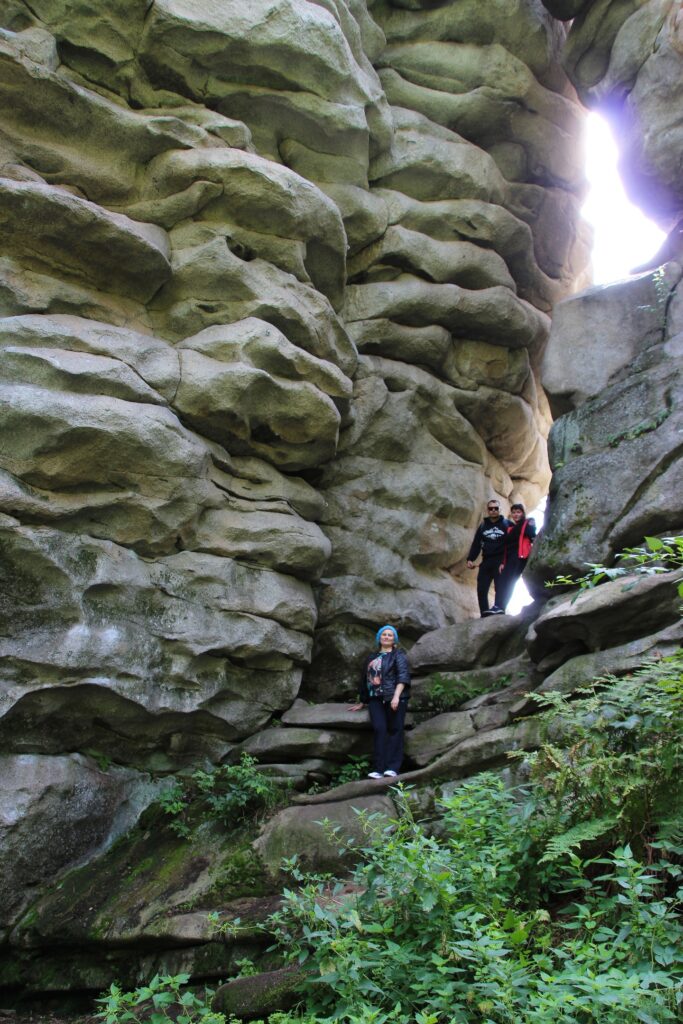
x=518, y=540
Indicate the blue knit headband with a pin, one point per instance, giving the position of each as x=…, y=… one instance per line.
x=381, y=630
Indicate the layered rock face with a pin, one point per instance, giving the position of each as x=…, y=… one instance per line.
x=274, y=290
x=469, y=234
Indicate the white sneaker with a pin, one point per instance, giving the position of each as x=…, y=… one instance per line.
x=375, y=775
x=391, y=775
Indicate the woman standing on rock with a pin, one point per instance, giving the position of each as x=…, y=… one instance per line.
x=518, y=540
x=384, y=688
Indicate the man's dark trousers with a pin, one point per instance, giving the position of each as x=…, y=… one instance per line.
x=387, y=727
x=489, y=573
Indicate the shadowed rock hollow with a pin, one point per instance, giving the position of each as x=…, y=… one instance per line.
x=275, y=290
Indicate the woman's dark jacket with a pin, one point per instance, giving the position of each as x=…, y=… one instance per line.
x=513, y=540
x=395, y=670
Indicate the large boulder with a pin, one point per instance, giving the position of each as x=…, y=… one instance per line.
x=616, y=473
x=600, y=333
x=480, y=642
x=607, y=616
x=583, y=669
x=105, y=650
x=313, y=833
x=263, y=993
x=431, y=738
x=73, y=802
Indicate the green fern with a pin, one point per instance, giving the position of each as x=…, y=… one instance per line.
x=586, y=831
x=670, y=832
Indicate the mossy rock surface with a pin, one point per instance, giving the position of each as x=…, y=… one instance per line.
x=260, y=994
x=149, y=881
x=317, y=834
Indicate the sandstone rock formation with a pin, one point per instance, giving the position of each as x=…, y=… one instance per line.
x=274, y=302
x=275, y=286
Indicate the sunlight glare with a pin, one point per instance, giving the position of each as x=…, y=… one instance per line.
x=624, y=238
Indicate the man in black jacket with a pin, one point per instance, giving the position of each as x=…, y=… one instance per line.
x=489, y=540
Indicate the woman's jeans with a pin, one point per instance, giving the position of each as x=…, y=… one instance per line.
x=387, y=726
x=513, y=570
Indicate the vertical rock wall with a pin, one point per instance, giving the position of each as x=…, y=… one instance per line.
x=470, y=234
x=274, y=290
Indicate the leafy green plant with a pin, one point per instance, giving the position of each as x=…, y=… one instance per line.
x=163, y=1000
x=613, y=758
x=657, y=555
x=174, y=802
x=228, y=794
x=168, y=1000
x=355, y=768
x=246, y=968
x=446, y=693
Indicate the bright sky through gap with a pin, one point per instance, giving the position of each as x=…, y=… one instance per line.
x=623, y=236
x=623, y=239
x=520, y=595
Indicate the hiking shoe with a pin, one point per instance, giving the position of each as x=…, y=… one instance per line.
x=489, y=611
x=390, y=774
x=496, y=610
x=374, y=775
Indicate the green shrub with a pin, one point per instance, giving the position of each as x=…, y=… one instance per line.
x=228, y=794
x=168, y=1000
x=613, y=760
x=162, y=1000
x=356, y=768
x=466, y=948
x=655, y=556
x=447, y=693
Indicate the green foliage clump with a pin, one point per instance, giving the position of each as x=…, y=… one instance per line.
x=654, y=557
x=164, y=1000
x=355, y=768
x=447, y=693
x=613, y=760
x=168, y=1000
x=228, y=794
